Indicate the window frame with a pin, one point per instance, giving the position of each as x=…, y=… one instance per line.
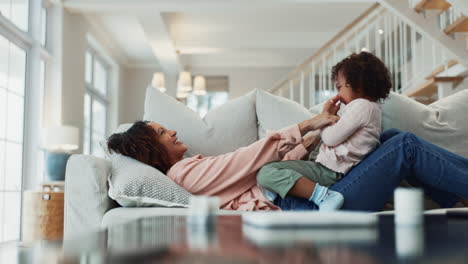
x=95, y=95
x=30, y=42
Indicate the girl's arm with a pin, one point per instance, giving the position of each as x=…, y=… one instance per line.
x=356, y=115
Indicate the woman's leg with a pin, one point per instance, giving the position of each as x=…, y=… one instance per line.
x=402, y=155
x=444, y=199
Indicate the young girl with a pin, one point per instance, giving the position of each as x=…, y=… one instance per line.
x=362, y=81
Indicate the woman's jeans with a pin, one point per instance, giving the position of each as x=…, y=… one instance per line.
x=443, y=175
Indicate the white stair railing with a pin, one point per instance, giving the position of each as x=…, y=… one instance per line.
x=449, y=17
x=409, y=55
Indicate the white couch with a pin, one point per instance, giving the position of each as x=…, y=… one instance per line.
x=239, y=123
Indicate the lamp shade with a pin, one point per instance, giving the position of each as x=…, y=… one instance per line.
x=159, y=81
x=64, y=138
x=181, y=92
x=199, y=85
x=185, y=81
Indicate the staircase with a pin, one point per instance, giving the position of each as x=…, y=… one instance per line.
x=422, y=42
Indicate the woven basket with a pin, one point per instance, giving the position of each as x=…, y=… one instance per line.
x=42, y=215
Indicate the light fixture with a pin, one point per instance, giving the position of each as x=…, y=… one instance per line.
x=181, y=92
x=364, y=49
x=185, y=81
x=61, y=138
x=199, y=85
x=380, y=31
x=159, y=82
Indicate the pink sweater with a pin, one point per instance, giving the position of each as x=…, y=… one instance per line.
x=232, y=176
x=354, y=136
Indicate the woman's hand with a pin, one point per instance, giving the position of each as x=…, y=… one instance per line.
x=317, y=122
x=322, y=120
x=332, y=106
x=311, y=140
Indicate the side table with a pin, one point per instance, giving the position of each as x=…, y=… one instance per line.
x=43, y=213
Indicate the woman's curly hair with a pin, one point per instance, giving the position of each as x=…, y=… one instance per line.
x=365, y=73
x=140, y=142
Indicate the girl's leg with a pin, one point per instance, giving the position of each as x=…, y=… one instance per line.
x=302, y=179
x=295, y=177
x=402, y=155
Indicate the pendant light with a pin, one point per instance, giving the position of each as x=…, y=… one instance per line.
x=159, y=82
x=199, y=85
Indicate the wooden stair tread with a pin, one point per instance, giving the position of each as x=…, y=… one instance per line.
x=460, y=25
x=432, y=4
x=441, y=68
x=427, y=89
x=449, y=79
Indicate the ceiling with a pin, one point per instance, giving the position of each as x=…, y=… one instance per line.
x=173, y=34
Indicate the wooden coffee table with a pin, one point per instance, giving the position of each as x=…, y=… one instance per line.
x=172, y=239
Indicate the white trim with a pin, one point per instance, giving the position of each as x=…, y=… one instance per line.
x=16, y=35
x=112, y=50
x=95, y=95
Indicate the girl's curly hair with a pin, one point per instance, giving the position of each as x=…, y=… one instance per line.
x=140, y=142
x=365, y=73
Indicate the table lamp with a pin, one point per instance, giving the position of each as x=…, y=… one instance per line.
x=59, y=141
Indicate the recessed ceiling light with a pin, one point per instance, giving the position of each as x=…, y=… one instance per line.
x=364, y=49
x=380, y=31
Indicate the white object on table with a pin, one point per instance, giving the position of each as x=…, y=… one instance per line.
x=409, y=206
x=202, y=208
x=307, y=218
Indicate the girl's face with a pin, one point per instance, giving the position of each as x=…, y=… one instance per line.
x=344, y=89
x=175, y=148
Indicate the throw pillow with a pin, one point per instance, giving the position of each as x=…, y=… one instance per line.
x=135, y=184
x=275, y=112
x=223, y=129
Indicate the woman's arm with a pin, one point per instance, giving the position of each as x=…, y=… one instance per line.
x=317, y=122
x=311, y=140
x=231, y=174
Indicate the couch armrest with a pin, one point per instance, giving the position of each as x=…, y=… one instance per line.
x=86, y=198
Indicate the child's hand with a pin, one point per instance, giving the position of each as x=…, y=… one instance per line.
x=332, y=106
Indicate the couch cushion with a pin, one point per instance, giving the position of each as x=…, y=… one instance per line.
x=223, y=129
x=443, y=123
x=135, y=184
x=121, y=215
x=275, y=112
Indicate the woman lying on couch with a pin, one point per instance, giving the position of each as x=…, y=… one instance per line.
x=232, y=176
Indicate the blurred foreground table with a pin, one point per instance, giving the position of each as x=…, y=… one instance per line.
x=172, y=239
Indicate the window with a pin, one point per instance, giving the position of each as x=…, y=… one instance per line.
x=43, y=26
x=17, y=11
x=217, y=88
x=204, y=103
x=21, y=64
x=12, y=93
x=40, y=170
x=95, y=103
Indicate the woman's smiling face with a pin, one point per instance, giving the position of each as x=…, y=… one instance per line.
x=168, y=138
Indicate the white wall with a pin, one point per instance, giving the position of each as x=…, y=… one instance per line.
x=241, y=81
x=133, y=94
x=69, y=75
